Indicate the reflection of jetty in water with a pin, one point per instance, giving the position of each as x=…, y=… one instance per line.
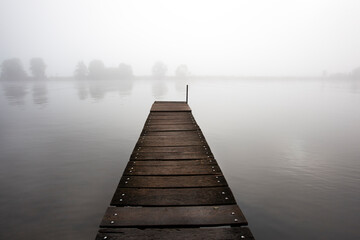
x=98, y=89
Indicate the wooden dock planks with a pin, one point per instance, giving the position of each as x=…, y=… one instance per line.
x=172, y=187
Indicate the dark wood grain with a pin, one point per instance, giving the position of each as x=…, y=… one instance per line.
x=172, y=197
x=179, y=149
x=233, y=233
x=170, y=156
x=178, y=163
x=151, y=138
x=173, y=216
x=173, y=133
x=172, y=181
x=172, y=113
x=173, y=107
x=172, y=170
x=171, y=142
x=172, y=127
x=151, y=121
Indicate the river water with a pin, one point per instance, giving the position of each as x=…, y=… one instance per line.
x=289, y=150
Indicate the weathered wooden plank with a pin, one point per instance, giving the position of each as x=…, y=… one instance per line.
x=172, y=163
x=173, y=216
x=172, y=170
x=171, y=138
x=219, y=233
x=174, y=127
x=172, y=197
x=174, y=121
x=184, y=114
x=183, y=149
x=173, y=133
x=172, y=181
x=169, y=102
x=171, y=156
x=170, y=107
x=172, y=142
x=167, y=121
x=170, y=118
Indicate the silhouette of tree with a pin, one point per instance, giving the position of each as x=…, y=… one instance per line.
x=356, y=73
x=182, y=71
x=96, y=69
x=37, y=68
x=12, y=69
x=125, y=71
x=81, y=71
x=159, y=70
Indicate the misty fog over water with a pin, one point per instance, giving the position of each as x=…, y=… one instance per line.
x=274, y=86
x=288, y=149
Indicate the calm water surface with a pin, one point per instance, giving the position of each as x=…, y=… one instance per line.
x=289, y=150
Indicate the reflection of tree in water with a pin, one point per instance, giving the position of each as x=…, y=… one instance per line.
x=39, y=93
x=98, y=89
x=82, y=89
x=125, y=87
x=15, y=92
x=354, y=85
x=159, y=88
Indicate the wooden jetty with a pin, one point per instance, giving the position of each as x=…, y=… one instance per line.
x=172, y=187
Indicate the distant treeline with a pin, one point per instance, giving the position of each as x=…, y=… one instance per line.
x=12, y=69
x=97, y=70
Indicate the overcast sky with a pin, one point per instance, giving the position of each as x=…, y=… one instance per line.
x=240, y=37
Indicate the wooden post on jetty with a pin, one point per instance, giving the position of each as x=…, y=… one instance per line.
x=172, y=187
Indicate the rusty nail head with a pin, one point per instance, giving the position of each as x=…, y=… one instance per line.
x=112, y=222
x=232, y=213
x=236, y=220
